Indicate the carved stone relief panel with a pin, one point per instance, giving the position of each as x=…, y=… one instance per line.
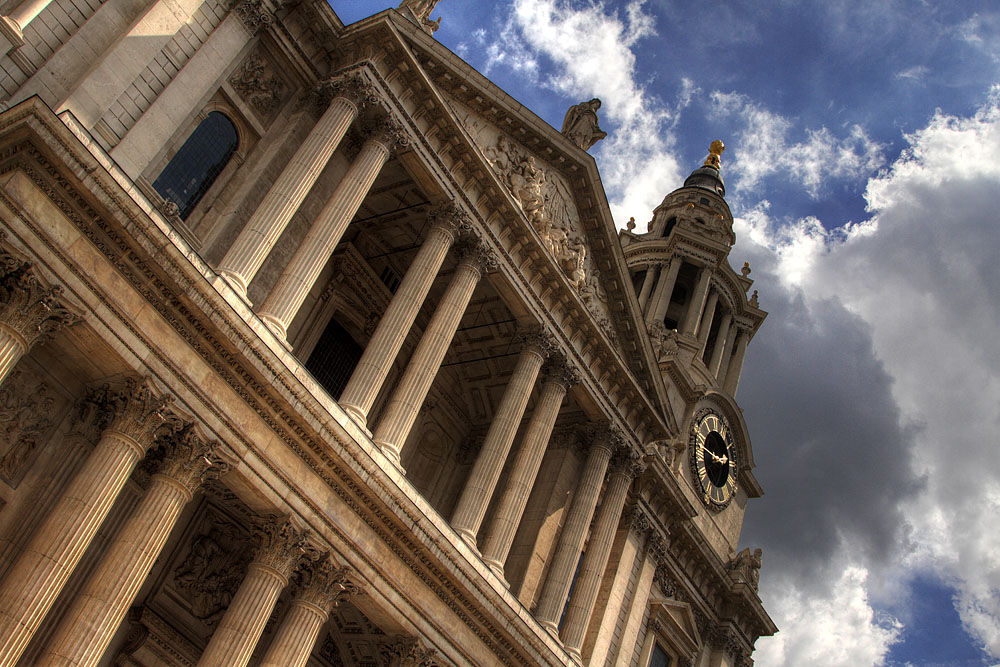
x=258, y=82
x=30, y=411
x=545, y=198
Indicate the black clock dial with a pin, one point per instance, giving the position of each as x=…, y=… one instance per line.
x=713, y=459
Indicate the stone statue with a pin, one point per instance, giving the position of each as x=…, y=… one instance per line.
x=422, y=10
x=580, y=124
x=746, y=566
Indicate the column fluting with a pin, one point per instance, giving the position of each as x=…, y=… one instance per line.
x=407, y=398
x=647, y=285
x=87, y=630
x=233, y=642
x=574, y=532
x=283, y=199
x=723, y=345
x=735, y=367
x=40, y=572
x=581, y=605
x=483, y=478
x=559, y=378
x=706, y=320
x=305, y=266
x=369, y=375
x=321, y=587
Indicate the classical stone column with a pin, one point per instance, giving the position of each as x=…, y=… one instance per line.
x=320, y=587
x=302, y=271
x=39, y=573
x=483, y=478
x=12, y=26
x=85, y=632
x=647, y=285
x=735, y=368
x=267, y=223
x=29, y=313
x=281, y=546
x=361, y=391
x=664, y=290
x=706, y=321
x=624, y=468
x=560, y=574
x=697, y=302
x=409, y=395
x=559, y=378
x=723, y=344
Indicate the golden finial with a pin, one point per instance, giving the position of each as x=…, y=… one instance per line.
x=714, y=153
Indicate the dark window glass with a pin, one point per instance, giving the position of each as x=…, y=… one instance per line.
x=334, y=358
x=660, y=657
x=189, y=175
x=670, y=227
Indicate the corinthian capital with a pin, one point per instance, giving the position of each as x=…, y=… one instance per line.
x=353, y=88
x=387, y=131
x=280, y=544
x=450, y=216
x=561, y=371
x=474, y=252
x=189, y=457
x=324, y=584
x=27, y=307
x=135, y=410
x=537, y=338
x=626, y=461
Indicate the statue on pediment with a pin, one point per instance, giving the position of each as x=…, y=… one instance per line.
x=422, y=10
x=580, y=124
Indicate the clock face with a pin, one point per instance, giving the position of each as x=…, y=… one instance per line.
x=713, y=459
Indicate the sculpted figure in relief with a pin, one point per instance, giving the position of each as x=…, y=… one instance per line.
x=580, y=124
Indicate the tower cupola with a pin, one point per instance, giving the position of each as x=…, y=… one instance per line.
x=708, y=175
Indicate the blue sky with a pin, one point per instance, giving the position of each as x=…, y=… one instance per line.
x=863, y=169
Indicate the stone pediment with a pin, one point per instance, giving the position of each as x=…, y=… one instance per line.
x=544, y=195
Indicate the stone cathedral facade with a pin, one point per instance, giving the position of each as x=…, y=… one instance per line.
x=317, y=348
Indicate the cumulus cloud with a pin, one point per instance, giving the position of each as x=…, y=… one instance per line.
x=590, y=50
x=766, y=148
x=921, y=282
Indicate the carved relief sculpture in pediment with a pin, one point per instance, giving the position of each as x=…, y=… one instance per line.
x=259, y=84
x=29, y=411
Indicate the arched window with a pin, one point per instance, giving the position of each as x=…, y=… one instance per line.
x=191, y=172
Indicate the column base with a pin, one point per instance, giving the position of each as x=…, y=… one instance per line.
x=575, y=655
x=11, y=36
x=469, y=538
x=497, y=569
x=278, y=328
x=392, y=454
x=357, y=416
x=236, y=283
x=550, y=628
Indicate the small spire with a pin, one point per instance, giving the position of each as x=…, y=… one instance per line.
x=714, y=154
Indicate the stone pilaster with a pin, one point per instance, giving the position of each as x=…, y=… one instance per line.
x=408, y=397
x=484, y=475
x=272, y=216
x=559, y=378
x=321, y=586
x=369, y=375
x=85, y=632
x=281, y=547
x=603, y=441
x=12, y=26
x=39, y=573
x=624, y=467
x=314, y=251
x=29, y=313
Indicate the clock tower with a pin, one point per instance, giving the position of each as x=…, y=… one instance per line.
x=700, y=315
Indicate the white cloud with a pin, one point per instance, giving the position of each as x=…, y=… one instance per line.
x=842, y=630
x=924, y=278
x=590, y=48
x=764, y=148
